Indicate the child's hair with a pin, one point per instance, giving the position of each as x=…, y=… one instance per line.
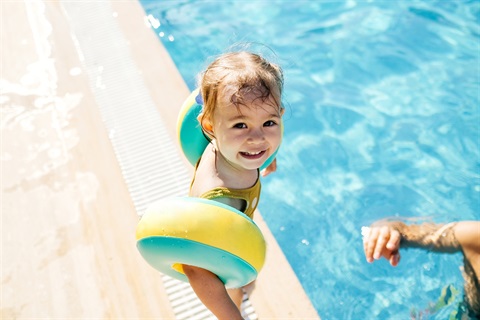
x=241, y=73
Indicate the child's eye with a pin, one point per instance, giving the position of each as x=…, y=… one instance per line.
x=269, y=123
x=240, y=125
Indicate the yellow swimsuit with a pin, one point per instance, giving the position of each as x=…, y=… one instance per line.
x=251, y=195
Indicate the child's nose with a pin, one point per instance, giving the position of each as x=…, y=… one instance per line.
x=257, y=135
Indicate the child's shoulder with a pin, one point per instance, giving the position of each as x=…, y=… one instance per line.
x=206, y=177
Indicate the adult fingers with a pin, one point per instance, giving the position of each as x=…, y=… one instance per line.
x=394, y=240
x=395, y=258
x=369, y=243
x=380, y=245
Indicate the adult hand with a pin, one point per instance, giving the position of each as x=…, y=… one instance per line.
x=382, y=241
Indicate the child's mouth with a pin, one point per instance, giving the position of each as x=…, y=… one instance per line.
x=253, y=155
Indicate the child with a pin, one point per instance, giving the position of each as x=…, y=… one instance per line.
x=242, y=114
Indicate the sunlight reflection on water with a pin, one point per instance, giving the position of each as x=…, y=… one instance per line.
x=382, y=120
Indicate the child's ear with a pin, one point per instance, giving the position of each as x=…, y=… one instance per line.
x=206, y=124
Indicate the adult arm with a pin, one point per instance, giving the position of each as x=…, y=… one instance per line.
x=468, y=235
x=385, y=238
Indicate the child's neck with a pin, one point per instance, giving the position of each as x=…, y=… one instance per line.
x=234, y=175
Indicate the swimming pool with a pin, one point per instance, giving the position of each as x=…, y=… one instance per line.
x=382, y=120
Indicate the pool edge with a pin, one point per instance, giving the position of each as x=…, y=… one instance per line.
x=278, y=292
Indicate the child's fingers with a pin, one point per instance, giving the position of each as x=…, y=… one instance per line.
x=272, y=167
x=265, y=172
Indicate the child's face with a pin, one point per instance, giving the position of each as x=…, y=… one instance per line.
x=249, y=134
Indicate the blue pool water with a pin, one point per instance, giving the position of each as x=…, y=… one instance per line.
x=383, y=120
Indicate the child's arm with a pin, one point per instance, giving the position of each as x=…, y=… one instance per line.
x=211, y=291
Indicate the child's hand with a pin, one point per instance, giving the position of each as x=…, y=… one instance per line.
x=272, y=167
x=382, y=241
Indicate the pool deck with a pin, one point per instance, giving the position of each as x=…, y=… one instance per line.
x=68, y=220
